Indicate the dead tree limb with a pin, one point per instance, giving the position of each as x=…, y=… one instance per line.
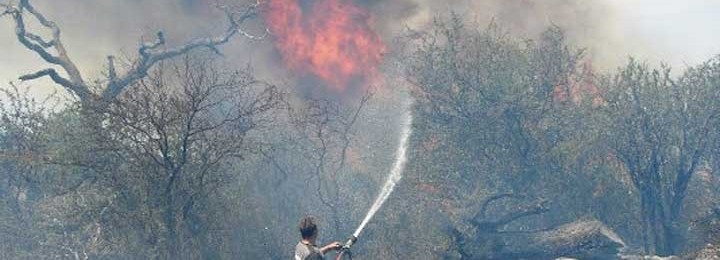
x=487, y=202
x=493, y=226
x=583, y=238
x=43, y=48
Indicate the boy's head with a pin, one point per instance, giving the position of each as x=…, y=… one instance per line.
x=308, y=228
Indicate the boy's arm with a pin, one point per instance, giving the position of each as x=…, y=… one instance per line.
x=332, y=246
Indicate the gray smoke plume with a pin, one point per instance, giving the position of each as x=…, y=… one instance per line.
x=610, y=30
x=588, y=24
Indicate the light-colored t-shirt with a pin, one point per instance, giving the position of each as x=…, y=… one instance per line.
x=303, y=250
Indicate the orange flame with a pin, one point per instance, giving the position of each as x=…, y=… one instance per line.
x=333, y=40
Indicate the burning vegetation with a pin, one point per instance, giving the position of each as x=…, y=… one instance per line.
x=332, y=40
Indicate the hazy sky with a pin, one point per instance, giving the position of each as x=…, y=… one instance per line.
x=677, y=32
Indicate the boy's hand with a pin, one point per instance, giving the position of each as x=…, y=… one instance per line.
x=332, y=246
x=336, y=245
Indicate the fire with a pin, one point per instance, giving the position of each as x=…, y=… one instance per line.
x=332, y=40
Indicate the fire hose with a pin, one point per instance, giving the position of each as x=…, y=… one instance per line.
x=345, y=249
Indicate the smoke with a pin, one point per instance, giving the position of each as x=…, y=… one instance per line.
x=590, y=24
x=395, y=172
x=609, y=30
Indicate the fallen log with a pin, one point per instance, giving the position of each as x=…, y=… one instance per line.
x=582, y=239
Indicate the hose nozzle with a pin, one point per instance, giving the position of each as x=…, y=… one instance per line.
x=349, y=243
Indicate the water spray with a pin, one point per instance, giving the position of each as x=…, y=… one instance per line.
x=387, y=189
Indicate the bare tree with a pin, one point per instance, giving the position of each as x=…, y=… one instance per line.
x=662, y=132
x=326, y=130
x=182, y=125
x=53, y=51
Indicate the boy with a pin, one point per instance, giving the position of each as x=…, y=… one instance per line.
x=306, y=248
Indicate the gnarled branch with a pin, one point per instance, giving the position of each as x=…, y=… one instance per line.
x=53, y=51
x=486, y=204
x=493, y=226
x=83, y=93
x=40, y=46
x=151, y=53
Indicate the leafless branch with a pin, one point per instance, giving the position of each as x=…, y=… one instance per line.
x=486, y=204
x=150, y=53
x=494, y=225
x=81, y=92
x=346, y=132
x=7, y=9
x=40, y=46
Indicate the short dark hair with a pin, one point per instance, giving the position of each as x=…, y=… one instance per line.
x=308, y=228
